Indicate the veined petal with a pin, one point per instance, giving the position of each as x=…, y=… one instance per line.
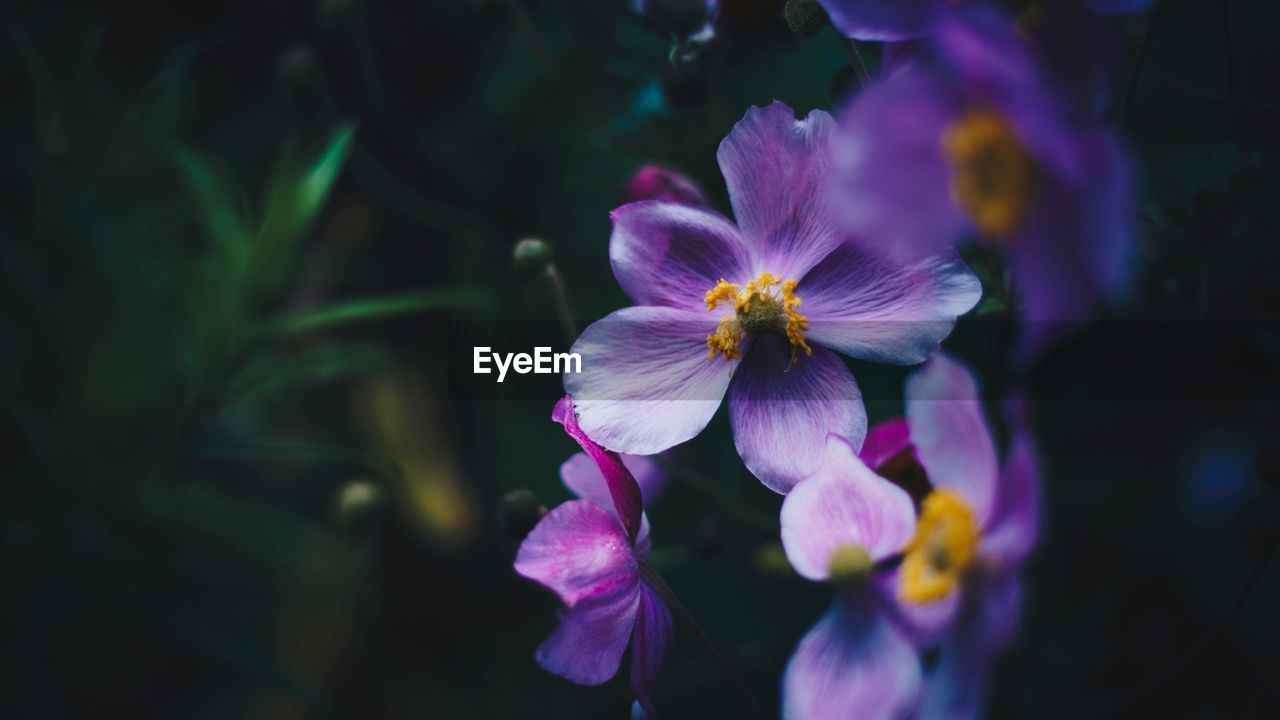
x=880, y=19
x=776, y=168
x=781, y=412
x=950, y=432
x=868, y=306
x=580, y=551
x=650, y=645
x=1015, y=519
x=621, y=494
x=853, y=664
x=843, y=503
x=670, y=254
x=587, y=646
x=646, y=382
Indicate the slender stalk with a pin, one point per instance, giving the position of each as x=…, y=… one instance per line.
x=1138, y=63
x=560, y=293
x=852, y=52
x=678, y=609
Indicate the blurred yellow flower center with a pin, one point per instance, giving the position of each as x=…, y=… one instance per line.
x=992, y=174
x=849, y=564
x=763, y=305
x=944, y=546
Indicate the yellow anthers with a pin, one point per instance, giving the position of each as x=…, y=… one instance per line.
x=993, y=176
x=765, y=304
x=944, y=547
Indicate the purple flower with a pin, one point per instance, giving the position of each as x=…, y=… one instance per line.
x=906, y=19
x=972, y=140
x=656, y=182
x=858, y=660
x=751, y=309
x=591, y=553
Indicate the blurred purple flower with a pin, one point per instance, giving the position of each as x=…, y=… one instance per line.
x=653, y=375
x=970, y=139
x=591, y=553
x=657, y=182
x=906, y=19
x=857, y=661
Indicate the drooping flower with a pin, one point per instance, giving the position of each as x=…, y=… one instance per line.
x=751, y=309
x=591, y=552
x=971, y=140
x=907, y=19
x=858, y=660
x=657, y=182
x=958, y=587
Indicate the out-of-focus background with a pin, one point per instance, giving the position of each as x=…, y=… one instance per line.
x=236, y=482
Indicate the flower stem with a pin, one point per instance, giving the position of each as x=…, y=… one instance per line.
x=1138, y=63
x=855, y=57
x=678, y=609
x=561, y=296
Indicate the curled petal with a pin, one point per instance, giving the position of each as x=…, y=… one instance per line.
x=581, y=475
x=782, y=412
x=587, y=646
x=650, y=645
x=843, y=503
x=623, y=494
x=579, y=551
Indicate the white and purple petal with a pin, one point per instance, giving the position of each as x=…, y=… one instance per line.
x=646, y=382
x=867, y=305
x=579, y=551
x=781, y=412
x=843, y=503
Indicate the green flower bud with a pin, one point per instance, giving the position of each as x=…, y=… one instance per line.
x=519, y=511
x=530, y=257
x=358, y=501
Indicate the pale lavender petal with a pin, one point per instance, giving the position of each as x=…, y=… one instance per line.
x=579, y=551
x=950, y=432
x=650, y=645
x=1015, y=519
x=671, y=254
x=885, y=441
x=781, y=413
x=891, y=185
x=853, y=664
x=880, y=19
x=843, y=503
x=623, y=494
x=776, y=168
x=587, y=646
x=925, y=623
x=646, y=382
x=865, y=305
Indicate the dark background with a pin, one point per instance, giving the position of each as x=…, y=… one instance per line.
x=236, y=481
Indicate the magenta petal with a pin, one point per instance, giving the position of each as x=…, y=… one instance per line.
x=843, y=503
x=853, y=664
x=650, y=645
x=579, y=551
x=880, y=19
x=1015, y=519
x=657, y=182
x=646, y=382
x=864, y=305
x=587, y=646
x=885, y=441
x=891, y=185
x=950, y=433
x=625, y=501
x=581, y=475
x=781, y=413
x=776, y=169
x=671, y=254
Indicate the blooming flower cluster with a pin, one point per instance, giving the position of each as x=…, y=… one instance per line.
x=844, y=240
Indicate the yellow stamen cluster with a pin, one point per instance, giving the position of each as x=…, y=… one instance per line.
x=993, y=176
x=764, y=304
x=944, y=547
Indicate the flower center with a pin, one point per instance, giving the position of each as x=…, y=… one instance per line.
x=764, y=305
x=849, y=564
x=993, y=176
x=944, y=546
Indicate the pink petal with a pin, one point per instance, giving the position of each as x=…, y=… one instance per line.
x=579, y=551
x=885, y=441
x=587, y=646
x=620, y=488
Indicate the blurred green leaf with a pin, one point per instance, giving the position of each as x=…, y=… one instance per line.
x=377, y=308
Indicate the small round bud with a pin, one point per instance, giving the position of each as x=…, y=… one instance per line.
x=655, y=182
x=519, y=511
x=357, y=502
x=805, y=17
x=530, y=257
x=849, y=564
